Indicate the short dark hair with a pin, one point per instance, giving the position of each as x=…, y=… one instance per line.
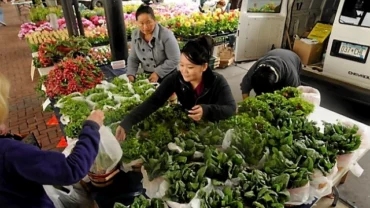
x=144, y=9
x=264, y=80
x=199, y=51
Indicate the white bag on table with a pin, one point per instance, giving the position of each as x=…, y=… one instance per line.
x=322, y=185
x=299, y=196
x=310, y=94
x=110, y=152
x=156, y=188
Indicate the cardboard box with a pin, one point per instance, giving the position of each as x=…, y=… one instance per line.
x=309, y=53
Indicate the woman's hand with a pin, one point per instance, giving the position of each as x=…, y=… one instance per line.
x=154, y=77
x=97, y=116
x=196, y=113
x=120, y=133
x=131, y=78
x=3, y=129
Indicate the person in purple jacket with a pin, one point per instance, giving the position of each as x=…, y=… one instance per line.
x=24, y=168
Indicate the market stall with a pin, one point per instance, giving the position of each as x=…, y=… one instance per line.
x=175, y=16
x=276, y=151
x=320, y=152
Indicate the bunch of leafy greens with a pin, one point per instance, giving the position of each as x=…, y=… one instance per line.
x=261, y=190
x=342, y=138
x=229, y=197
x=77, y=111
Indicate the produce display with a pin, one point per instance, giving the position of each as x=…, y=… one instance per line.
x=52, y=52
x=116, y=99
x=255, y=158
x=72, y=75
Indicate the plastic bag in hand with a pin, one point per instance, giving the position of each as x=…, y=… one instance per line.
x=110, y=152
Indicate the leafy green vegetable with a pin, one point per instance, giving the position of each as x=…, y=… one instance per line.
x=342, y=138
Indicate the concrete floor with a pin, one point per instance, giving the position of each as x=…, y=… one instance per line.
x=355, y=190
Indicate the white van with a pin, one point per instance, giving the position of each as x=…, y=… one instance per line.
x=265, y=24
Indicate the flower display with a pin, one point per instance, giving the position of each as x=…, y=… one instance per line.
x=97, y=20
x=39, y=37
x=100, y=56
x=30, y=27
x=97, y=36
x=200, y=23
x=85, y=22
x=72, y=75
x=52, y=51
x=183, y=19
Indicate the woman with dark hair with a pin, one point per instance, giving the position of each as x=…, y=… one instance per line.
x=202, y=93
x=153, y=46
x=279, y=68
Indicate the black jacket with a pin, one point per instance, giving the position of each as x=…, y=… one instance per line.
x=287, y=64
x=216, y=99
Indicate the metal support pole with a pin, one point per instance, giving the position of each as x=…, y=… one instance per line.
x=67, y=16
x=78, y=17
x=116, y=29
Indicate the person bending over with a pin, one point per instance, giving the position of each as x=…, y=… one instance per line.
x=279, y=68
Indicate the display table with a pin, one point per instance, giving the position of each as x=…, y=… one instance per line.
x=321, y=114
x=126, y=186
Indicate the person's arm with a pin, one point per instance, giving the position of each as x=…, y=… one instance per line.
x=53, y=168
x=150, y=105
x=132, y=62
x=246, y=85
x=172, y=51
x=225, y=106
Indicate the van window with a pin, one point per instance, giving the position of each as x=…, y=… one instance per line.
x=356, y=13
x=264, y=6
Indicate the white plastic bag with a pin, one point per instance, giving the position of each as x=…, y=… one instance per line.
x=110, y=152
x=226, y=143
x=105, y=85
x=299, y=196
x=322, y=185
x=64, y=119
x=156, y=188
x=310, y=94
x=73, y=197
x=127, y=167
x=350, y=161
x=124, y=77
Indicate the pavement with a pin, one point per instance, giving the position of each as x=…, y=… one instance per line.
x=26, y=113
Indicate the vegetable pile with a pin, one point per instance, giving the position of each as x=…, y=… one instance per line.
x=115, y=99
x=251, y=159
x=72, y=75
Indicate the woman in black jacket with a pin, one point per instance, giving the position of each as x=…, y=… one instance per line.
x=204, y=94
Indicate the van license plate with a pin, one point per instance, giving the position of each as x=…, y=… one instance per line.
x=353, y=50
